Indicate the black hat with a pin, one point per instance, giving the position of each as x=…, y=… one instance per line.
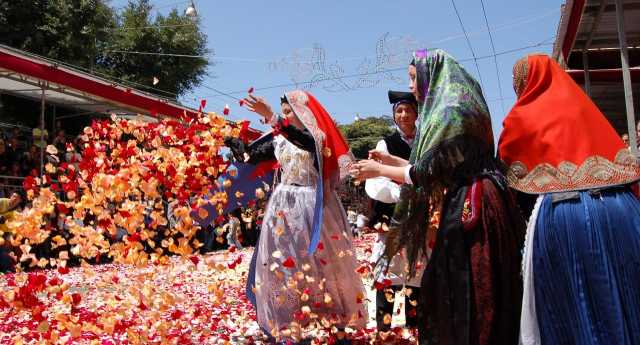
x=397, y=97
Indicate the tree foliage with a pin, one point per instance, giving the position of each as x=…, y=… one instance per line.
x=363, y=135
x=64, y=30
x=173, y=34
x=88, y=34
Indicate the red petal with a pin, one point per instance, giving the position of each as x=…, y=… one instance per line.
x=289, y=263
x=62, y=208
x=194, y=259
x=135, y=237
x=176, y=314
x=63, y=270
x=76, y=298
x=320, y=246
x=54, y=281
x=250, y=90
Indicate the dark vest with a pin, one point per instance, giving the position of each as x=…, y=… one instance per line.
x=396, y=146
x=382, y=212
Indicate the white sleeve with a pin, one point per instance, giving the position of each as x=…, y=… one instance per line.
x=382, y=146
x=381, y=188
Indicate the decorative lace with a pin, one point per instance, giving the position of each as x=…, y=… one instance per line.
x=595, y=172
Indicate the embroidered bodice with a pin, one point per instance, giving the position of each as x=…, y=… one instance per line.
x=296, y=164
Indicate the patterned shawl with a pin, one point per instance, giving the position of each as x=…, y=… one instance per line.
x=454, y=144
x=332, y=152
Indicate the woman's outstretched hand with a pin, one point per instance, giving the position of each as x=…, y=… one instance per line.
x=365, y=169
x=387, y=159
x=259, y=106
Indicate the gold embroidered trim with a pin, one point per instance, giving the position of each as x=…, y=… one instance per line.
x=595, y=172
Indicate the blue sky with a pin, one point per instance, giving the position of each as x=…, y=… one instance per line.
x=271, y=43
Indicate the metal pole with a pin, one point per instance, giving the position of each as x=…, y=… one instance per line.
x=587, y=79
x=626, y=78
x=42, y=142
x=55, y=128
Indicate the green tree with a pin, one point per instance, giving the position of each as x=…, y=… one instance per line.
x=86, y=34
x=64, y=30
x=363, y=135
x=139, y=31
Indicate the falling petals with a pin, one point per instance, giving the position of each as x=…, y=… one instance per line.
x=289, y=263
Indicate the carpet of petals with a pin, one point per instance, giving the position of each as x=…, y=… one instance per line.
x=195, y=300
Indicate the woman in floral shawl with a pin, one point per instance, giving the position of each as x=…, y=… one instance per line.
x=471, y=289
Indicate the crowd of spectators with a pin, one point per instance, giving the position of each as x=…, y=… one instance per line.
x=22, y=149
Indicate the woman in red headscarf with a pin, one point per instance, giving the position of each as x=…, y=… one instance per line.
x=582, y=251
x=305, y=268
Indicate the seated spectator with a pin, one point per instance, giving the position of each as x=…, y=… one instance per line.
x=51, y=155
x=5, y=188
x=31, y=160
x=8, y=206
x=40, y=138
x=17, y=133
x=4, y=160
x=625, y=138
x=12, y=151
x=73, y=155
x=15, y=171
x=60, y=141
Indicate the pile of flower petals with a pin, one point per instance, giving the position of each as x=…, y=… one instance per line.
x=194, y=300
x=190, y=301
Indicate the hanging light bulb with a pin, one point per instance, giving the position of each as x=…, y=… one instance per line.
x=191, y=11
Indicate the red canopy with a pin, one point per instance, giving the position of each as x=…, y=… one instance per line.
x=27, y=75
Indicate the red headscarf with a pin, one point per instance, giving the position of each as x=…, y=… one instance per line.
x=336, y=156
x=556, y=139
